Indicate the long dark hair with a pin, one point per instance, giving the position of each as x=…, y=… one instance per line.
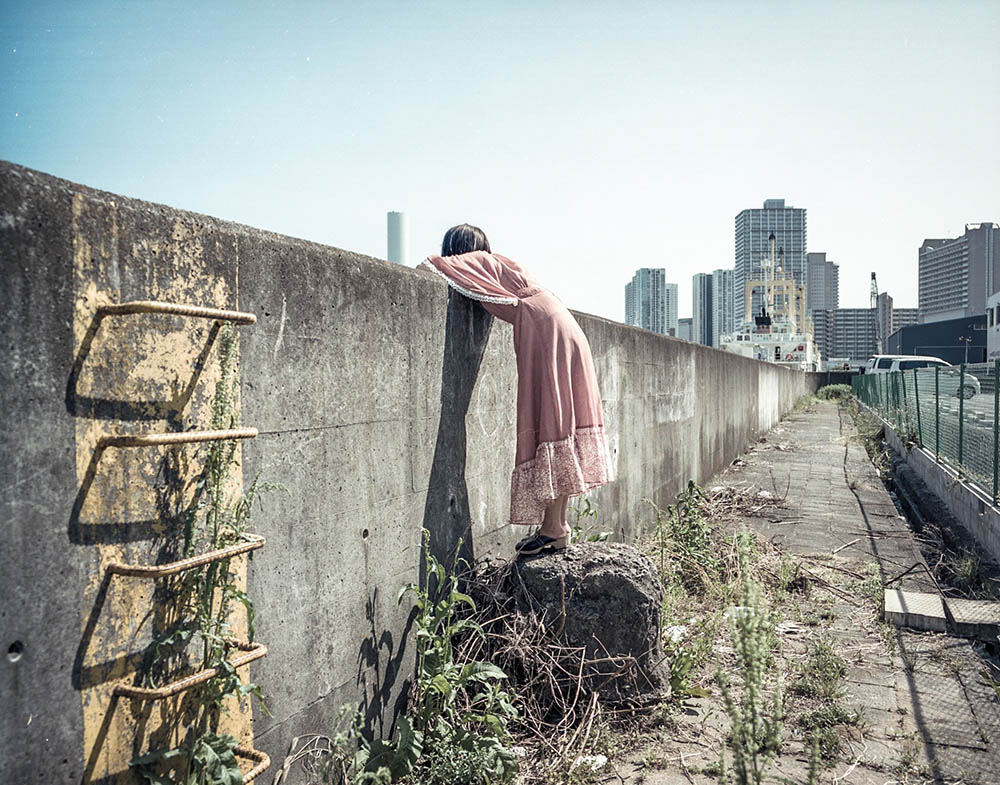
x=463, y=239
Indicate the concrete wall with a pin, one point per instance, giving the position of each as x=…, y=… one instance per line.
x=971, y=507
x=384, y=405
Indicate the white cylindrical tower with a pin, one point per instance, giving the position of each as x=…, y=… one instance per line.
x=397, y=238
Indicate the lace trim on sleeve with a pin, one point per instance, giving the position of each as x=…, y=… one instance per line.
x=484, y=298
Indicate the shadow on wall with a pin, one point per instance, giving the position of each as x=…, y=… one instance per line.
x=169, y=410
x=379, y=665
x=137, y=502
x=447, y=517
x=446, y=513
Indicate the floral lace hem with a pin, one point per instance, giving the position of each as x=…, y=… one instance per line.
x=565, y=468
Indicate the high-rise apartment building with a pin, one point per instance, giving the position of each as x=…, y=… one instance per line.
x=845, y=332
x=890, y=319
x=850, y=332
x=723, y=306
x=684, y=329
x=904, y=317
x=701, y=308
x=753, y=226
x=957, y=276
x=651, y=302
x=670, y=308
x=883, y=320
x=822, y=283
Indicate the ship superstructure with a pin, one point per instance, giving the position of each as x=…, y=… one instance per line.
x=780, y=331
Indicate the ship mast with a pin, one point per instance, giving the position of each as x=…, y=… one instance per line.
x=768, y=284
x=876, y=327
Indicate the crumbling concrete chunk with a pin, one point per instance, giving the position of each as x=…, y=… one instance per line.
x=605, y=598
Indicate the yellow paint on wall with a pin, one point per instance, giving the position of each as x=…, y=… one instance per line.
x=134, y=374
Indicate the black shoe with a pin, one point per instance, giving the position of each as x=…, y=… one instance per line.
x=537, y=543
x=527, y=538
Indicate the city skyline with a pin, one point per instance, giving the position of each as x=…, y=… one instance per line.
x=587, y=143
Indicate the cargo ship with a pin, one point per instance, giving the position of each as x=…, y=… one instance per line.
x=780, y=332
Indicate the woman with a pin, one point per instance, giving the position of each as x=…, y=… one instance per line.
x=561, y=447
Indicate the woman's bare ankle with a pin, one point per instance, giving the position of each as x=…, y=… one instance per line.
x=555, y=532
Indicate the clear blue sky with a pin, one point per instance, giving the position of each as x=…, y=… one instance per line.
x=587, y=139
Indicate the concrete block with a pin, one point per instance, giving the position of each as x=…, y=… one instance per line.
x=924, y=611
x=916, y=610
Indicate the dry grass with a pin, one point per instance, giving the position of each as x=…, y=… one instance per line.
x=563, y=705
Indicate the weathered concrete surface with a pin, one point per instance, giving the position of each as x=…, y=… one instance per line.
x=951, y=497
x=979, y=619
x=923, y=685
x=70, y=378
x=384, y=404
x=583, y=593
x=927, y=713
x=41, y=574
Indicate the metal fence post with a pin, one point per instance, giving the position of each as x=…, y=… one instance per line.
x=996, y=428
x=905, y=417
x=961, y=411
x=900, y=400
x=937, y=412
x=916, y=398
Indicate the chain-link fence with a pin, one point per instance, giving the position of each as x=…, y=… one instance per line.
x=950, y=410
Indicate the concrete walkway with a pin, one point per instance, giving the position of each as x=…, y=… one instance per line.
x=927, y=715
x=931, y=680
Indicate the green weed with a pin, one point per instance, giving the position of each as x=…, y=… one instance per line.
x=822, y=674
x=965, y=571
x=835, y=392
x=200, y=603
x=806, y=403
x=686, y=548
x=756, y=722
x=821, y=725
x=459, y=709
x=455, y=730
x=585, y=513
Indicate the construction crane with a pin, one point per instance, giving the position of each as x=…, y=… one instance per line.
x=876, y=327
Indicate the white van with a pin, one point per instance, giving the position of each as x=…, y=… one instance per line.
x=949, y=379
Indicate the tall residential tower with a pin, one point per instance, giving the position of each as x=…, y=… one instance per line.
x=651, y=302
x=753, y=227
x=822, y=283
x=701, y=308
x=723, y=306
x=957, y=276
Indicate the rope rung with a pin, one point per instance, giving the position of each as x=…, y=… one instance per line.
x=179, y=437
x=254, y=651
x=177, y=309
x=254, y=542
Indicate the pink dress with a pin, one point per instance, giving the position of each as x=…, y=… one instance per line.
x=561, y=446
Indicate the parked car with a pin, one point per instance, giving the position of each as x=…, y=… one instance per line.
x=882, y=363
x=949, y=379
